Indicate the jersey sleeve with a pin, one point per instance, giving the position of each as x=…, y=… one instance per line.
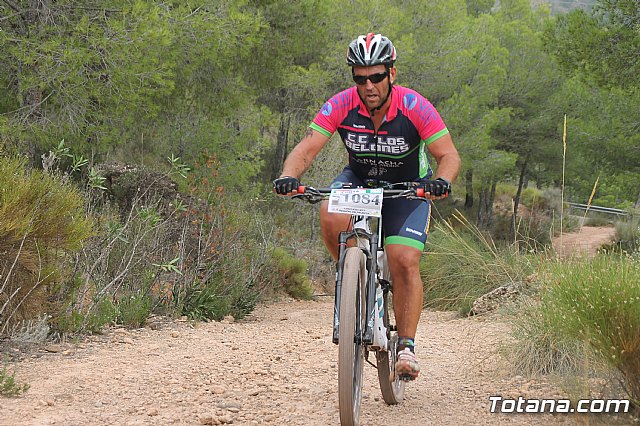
x=332, y=113
x=425, y=117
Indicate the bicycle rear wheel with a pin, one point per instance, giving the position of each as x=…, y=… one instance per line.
x=350, y=348
x=391, y=385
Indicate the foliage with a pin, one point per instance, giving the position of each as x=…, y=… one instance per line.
x=215, y=300
x=601, y=46
x=599, y=52
x=598, y=302
x=8, y=385
x=134, y=308
x=43, y=221
x=224, y=90
x=627, y=237
x=463, y=264
x=290, y=273
x=540, y=347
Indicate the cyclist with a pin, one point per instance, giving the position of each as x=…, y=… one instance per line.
x=385, y=129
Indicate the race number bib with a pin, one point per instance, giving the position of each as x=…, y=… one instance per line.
x=359, y=201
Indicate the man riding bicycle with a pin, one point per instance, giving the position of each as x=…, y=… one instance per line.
x=385, y=128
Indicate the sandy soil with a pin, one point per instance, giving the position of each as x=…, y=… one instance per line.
x=276, y=367
x=585, y=242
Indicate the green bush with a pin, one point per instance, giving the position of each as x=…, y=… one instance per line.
x=531, y=197
x=598, y=302
x=506, y=189
x=290, y=274
x=540, y=347
x=43, y=219
x=216, y=299
x=464, y=264
x=133, y=309
x=627, y=238
x=103, y=312
x=8, y=385
x=597, y=220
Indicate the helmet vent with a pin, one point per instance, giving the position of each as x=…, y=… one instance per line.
x=369, y=50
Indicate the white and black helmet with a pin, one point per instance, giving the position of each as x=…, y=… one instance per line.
x=371, y=49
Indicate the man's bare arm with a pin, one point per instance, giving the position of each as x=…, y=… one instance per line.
x=446, y=155
x=299, y=159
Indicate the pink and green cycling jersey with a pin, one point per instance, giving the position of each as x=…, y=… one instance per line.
x=396, y=153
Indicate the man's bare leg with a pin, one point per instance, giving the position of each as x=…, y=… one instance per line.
x=404, y=265
x=331, y=224
x=408, y=293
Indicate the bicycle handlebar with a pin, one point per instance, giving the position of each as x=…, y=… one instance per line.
x=409, y=190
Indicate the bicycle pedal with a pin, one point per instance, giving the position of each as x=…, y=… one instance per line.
x=404, y=377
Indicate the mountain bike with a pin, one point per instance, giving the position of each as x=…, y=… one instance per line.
x=363, y=319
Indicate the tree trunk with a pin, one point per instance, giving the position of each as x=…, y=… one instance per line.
x=468, y=197
x=516, y=200
x=485, y=203
x=281, y=149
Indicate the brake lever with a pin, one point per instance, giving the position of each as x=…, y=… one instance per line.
x=309, y=197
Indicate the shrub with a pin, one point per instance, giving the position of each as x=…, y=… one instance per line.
x=539, y=346
x=218, y=298
x=597, y=220
x=92, y=320
x=598, y=302
x=8, y=385
x=134, y=308
x=531, y=197
x=463, y=264
x=627, y=238
x=290, y=273
x=43, y=220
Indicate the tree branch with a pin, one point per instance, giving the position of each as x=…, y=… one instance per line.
x=13, y=6
x=18, y=13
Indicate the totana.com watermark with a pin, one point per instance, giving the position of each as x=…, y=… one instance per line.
x=522, y=405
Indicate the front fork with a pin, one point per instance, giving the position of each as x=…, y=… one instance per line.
x=371, y=267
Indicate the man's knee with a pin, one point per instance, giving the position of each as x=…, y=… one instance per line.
x=327, y=222
x=403, y=258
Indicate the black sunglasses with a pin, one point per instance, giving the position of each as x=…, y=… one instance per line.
x=375, y=78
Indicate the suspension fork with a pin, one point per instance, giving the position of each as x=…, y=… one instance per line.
x=371, y=267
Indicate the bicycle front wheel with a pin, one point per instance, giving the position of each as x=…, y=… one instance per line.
x=352, y=325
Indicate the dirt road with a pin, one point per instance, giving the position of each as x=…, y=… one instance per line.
x=277, y=367
x=584, y=242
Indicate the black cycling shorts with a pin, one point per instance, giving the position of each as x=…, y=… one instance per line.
x=405, y=222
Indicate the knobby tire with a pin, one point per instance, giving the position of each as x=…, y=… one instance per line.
x=350, y=349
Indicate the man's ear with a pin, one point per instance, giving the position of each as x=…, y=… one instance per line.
x=392, y=74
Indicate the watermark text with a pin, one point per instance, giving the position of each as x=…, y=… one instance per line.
x=522, y=405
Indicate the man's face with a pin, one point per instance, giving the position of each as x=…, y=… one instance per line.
x=373, y=94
